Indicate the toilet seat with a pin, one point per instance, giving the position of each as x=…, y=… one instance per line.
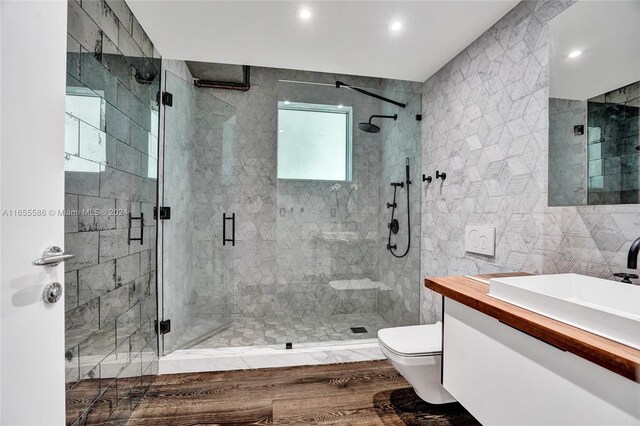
x=413, y=340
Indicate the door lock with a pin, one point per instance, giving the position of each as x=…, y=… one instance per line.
x=52, y=293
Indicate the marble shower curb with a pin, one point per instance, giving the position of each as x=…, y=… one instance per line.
x=242, y=358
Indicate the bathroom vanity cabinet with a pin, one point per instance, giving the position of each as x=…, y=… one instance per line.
x=507, y=369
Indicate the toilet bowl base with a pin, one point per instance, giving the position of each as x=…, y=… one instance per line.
x=423, y=374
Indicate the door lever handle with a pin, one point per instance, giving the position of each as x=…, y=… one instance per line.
x=53, y=256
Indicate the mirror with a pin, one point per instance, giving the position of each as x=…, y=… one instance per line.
x=594, y=104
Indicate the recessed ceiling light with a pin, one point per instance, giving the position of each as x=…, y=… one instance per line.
x=304, y=13
x=575, y=54
x=395, y=26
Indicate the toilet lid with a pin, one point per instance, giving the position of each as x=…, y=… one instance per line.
x=413, y=339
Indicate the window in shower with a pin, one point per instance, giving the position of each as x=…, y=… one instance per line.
x=314, y=141
x=85, y=139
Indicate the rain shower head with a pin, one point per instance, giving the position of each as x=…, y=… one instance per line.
x=368, y=127
x=372, y=128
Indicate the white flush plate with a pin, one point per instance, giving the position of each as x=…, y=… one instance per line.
x=480, y=239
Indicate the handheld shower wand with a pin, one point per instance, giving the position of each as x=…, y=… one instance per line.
x=406, y=171
x=394, y=225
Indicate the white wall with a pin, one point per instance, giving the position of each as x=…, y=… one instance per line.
x=32, y=72
x=0, y=210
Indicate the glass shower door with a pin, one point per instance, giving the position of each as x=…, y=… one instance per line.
x=197, y=265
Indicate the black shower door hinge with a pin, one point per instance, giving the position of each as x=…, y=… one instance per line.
x=167, y=99
x=165, y=213
x=164, y=328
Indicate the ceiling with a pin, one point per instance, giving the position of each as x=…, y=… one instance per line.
x=608, y=35
x=348, y=37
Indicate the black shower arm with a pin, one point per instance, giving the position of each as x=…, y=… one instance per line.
x=395, y=117
x=340, y=84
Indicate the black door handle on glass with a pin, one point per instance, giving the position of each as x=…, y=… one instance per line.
x=231, y=240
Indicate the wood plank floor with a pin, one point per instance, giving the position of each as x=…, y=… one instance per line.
x=359, y=393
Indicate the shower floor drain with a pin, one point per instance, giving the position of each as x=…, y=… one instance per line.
x=358, y=330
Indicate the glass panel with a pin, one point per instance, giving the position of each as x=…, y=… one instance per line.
x=613, y=145
x=110, y=290
x=398, y=300
x=311, y=265
x=335, y=281
x=199, y=134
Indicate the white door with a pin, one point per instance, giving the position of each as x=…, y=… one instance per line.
x=32, y=96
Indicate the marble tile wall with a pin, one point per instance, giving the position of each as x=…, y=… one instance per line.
x=486, y=125
x=111, y=165
x=327, y=230
x=285, y=257
x=399, y=300
x=282, y=263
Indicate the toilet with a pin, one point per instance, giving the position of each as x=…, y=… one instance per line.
x=416, y=352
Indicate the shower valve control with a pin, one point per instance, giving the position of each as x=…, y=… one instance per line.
x=394, y=226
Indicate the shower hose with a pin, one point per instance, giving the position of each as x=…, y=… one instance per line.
x=389, y=246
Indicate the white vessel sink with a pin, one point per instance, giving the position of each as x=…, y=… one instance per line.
x=607, y=308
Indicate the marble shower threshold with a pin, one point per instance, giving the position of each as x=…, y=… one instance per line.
x=243, y=358
x=261, y=342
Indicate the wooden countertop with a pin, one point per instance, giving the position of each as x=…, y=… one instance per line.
x=613, y=356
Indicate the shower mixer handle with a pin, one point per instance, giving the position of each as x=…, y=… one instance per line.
x=394, y=205
x=397, y=184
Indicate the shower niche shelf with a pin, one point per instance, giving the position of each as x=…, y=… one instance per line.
x=339, y=235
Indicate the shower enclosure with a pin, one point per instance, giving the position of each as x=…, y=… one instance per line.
x=278, y=220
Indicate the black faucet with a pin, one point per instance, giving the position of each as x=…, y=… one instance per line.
x=632, y=262
x=632, y=259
